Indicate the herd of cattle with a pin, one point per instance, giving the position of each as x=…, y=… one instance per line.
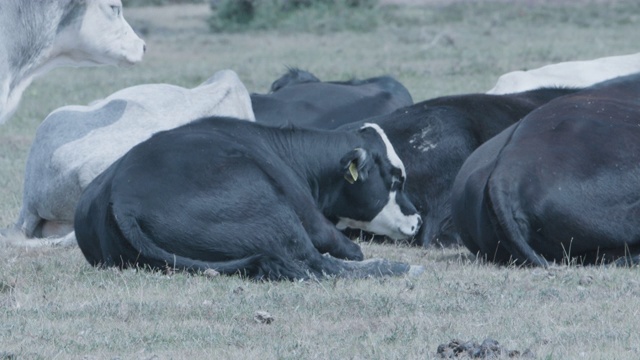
x=542, y=168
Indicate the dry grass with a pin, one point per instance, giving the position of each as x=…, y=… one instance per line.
x=53, y=305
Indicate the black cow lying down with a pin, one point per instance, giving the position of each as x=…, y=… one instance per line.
x=239, y=197
x=562, y=184
x=300, y=98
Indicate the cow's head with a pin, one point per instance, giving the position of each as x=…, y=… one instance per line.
x=94, y=32
x=372, y=196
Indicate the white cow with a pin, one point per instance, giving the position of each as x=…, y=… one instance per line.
x=568, y=74
x=74, y=144
x=39, y=35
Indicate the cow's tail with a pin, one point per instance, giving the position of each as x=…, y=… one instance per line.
x=510, y=223
x=262, y=266
x=146, y=253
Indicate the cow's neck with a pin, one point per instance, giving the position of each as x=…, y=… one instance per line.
x=29, y=48
x=315, y=157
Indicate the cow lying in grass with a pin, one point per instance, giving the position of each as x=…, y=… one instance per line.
x=244, y=198
x=74, y=144
x=560, y=185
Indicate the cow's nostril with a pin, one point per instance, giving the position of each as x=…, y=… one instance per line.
x=144, y=48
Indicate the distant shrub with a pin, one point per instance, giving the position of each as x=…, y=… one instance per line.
x=293, y=15
x=134, y=3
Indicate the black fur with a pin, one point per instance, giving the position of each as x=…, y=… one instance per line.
x=300, y=98
x=560, y=185
x=237, y=197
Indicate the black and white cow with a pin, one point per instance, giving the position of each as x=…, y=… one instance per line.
x=240, y=197
x=433, y=138
x=37, y=36
x=74, y=144
x=560, y=185
x=577, y=74
x=299, y=97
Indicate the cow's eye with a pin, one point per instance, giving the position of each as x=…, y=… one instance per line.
x=116, y=9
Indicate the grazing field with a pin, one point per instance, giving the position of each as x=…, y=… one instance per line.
x=53, y=305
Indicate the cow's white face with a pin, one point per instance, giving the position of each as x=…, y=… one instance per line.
x=377, y=203
x=101, y=36
x=391, y=221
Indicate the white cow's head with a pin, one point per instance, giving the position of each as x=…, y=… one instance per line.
x=95, y=32
x=39, y=35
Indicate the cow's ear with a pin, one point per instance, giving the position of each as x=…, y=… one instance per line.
x=355, y=165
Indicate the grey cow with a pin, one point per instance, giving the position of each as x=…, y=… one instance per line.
x=74, y=144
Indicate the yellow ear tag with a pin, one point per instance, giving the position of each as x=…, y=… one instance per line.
x=353, y=173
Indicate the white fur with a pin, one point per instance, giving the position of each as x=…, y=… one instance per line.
x=39, y=35
x=390, y=221
x=391, y=152
x=568, y=74
x=422, y=142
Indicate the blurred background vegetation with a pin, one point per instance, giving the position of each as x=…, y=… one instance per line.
x=317, y=16
x=298, y=15
x=327, y=16
x=132, y=3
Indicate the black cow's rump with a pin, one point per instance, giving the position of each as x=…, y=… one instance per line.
x=562, y=184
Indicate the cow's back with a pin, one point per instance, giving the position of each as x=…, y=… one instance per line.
x=579, y=74
x=299, y=98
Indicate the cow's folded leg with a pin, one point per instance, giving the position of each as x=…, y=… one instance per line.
x=328, y=239
x=372, y=268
